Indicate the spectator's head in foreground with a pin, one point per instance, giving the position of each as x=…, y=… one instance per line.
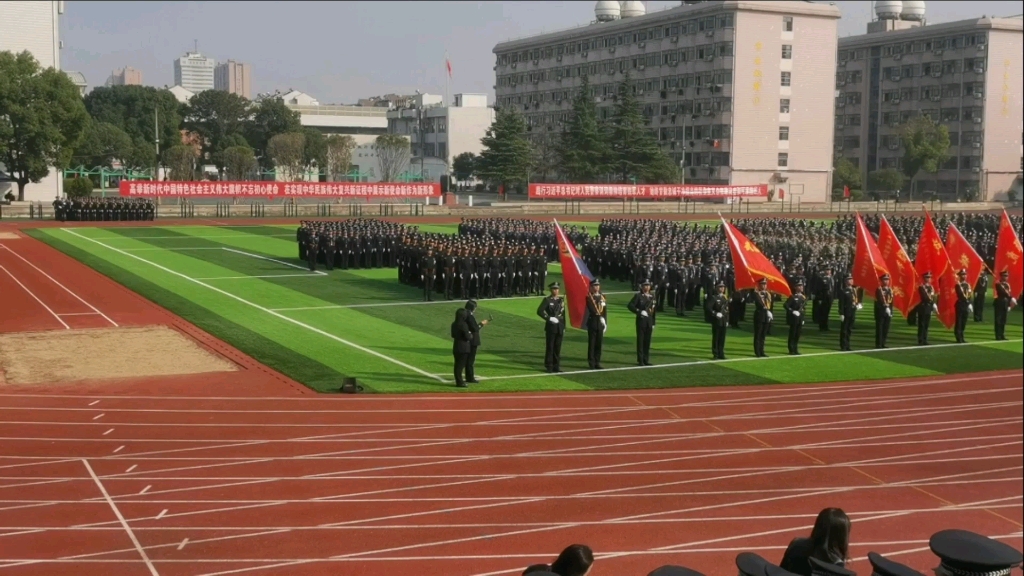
x=830, y=537
x=538, y=570
x=575, y=560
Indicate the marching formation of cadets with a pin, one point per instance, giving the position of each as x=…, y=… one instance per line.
x=103, y=209
x=682, y=266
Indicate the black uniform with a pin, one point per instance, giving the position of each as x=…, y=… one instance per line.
x=552, y=310
x=595, y=320
x=823, y=299
x=311, y=248
x=762, y=320
x=795, y=306
x=848, y=304
x=924, y=312
x=1002, y=305
x=474, y=342
x=461, y=347
x=883, y=315
x=979, y=297
x=642, y=305
x=717, y=306
x=449, y=272
x=428, y=274
x=964, y=299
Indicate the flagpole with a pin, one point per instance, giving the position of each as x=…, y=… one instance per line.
x=447, y=77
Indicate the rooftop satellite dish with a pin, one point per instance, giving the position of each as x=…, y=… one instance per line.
x=888, y=9
x=632, y=8
x=607, y=10
x=913, y=10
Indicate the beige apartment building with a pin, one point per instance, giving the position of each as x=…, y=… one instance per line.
x=233, y=77
x=126, y=76
x=736, y=91
x=966, y=75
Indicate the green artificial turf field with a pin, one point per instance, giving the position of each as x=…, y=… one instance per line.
x=245, y=285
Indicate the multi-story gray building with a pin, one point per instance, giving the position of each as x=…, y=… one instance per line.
x=736, y=91
x=194, y=72
x=234, y=77
x=965, y=75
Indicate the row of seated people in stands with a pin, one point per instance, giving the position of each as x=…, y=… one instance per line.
x=826, y=553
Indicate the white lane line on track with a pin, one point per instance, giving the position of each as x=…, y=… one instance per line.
x=120, y=518
x=36, y=298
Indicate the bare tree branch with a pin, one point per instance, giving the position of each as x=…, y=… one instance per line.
x=339, y=156
x=393, y=155
x=287, y=151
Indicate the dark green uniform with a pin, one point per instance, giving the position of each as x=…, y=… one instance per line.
x=795, y=306
x=717, y=306
x=552, y=310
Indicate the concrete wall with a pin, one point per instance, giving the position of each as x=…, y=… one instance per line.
x=1004, y=114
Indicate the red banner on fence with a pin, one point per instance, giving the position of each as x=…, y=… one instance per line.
x=669, y=191
x=257, y=189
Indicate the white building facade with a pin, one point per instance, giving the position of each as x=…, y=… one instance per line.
x=194, y=72
x=33, y=26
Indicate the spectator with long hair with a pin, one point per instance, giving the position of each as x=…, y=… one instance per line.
x=829, y=543
x=575, y=560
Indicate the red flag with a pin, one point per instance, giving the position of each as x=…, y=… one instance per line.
x=901, y=269
x=576, y=277
x=868, y=263
x=963, y=256
x=846, y=191
x=1009, y=256
x=932, y=257
x=751, y=265
x=448, y=65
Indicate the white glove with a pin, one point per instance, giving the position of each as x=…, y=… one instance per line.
x=970, y=307
x=797, y=314
x=935, y=307
x=422, y=277
x=770, y=317
x=718, y=314
x=643, y=313
x=1013, y=301
x=842, y=318
x=888, y=312
x=553, y=319
x=859, y=306
x=604, y=326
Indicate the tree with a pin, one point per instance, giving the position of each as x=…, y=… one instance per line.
x=635, y=151
x=392, y=155
x=546, y=157
x=464, y=166
x=181, y=161
x=584, y=152
x=239, y=163
x=508, y=156
x=270, y=117
x=141, y=112
x=219, y=118
x=77, y=187
x=314, y=153
x=103, y=144
x=287, y=151
x=845, y=174
x=338, y=155
x=885, y=180
x=925, y=147
x=41, y=119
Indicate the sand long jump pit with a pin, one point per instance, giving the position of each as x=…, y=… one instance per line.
x=100, y=354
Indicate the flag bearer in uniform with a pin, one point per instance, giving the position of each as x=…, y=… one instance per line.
x=964, y=305
x=552, y=310
x=643, y=305
x=718, y=310
x=925, y=308
x=883, y=311
x=762, y=316
x=795, y=307
x=596, y=322
x=848, y=307
x=1004, y=302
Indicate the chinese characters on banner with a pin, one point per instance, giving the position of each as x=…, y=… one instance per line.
x=664, y=191
x=273, y=189
x=758, y=74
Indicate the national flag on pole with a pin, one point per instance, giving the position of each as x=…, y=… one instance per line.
x=932, y=257
x=751, y=265
x=576, y=277
x=846, y=191
x=868, y=263
x=963, y=256
x=1009, y=256
x=448, y=64
x=902, y=275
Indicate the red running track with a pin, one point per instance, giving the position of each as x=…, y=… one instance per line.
x=161, y=477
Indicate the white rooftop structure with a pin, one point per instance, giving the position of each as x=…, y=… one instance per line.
x=183, y=95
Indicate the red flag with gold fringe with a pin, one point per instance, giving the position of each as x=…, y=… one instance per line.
x=963, y=256
x=932, y=257
x=751, y=265
x=901, y=269
x=1009, y=256
x=868, y=263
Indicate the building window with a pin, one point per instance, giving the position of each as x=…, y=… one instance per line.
x=783, y=159
x=787, y=23
x=783, y=132
x=787, y=51
x=784, y=106
x=786, y=78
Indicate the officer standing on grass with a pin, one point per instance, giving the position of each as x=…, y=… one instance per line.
x=718, y=310
x=762, y=316
x=795, y=306
x=979, y=296
x=964, y=305
x=883, y=312
x=474, y=328
x=311, y=249
x=596, y=322
x=1003, y=303
x=552, y=310
x=643, y=306
x=428, y=274
x=924, y=310
x=848, y=307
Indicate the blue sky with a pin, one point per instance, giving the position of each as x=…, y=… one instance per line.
x=342, y=51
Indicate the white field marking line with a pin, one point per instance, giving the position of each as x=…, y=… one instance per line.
x=54, y=280
x=41, y=303
x=456, y=509
x=170, y=249
x=94, y=402
x=274, y=260
x=98, y=416
x=132, y=467
x=183, y=543
x=80, y=314
x=261, y=308
x=146, y=489
x=120, y=518
x=118, y=449
x=263, y=276
x=161, y=514
x=562, y=395
x=743, y=359
x=186, y=237
x=415, y=303
x=108, y=431
x=453, y=541
x=499, y=498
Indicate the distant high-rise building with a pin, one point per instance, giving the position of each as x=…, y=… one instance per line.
x=126, y=76
x=194, y=72
x=233, y=77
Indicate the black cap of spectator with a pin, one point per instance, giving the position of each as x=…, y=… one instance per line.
x=670, y=570
x=965, y=553
x=885, y=567
x=751, y=564
x=539, y=570
x=819, y=568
